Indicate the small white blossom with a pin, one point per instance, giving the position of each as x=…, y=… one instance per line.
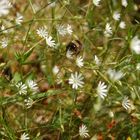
x=69, y=29
x=79, y=61
x=50, y=42
x=19, y=19
x=76, y=80
x=83, y=131
x=24, y=136
x=32, y=85
x=97, y=61
x=5, y=5
x=102, y=90
x=42, y=32
x=28, y=102
x=55, y=70
x=126, y=103
x=135, y=7
x=116, y=15
x=108, y=30
x=61, y=30
x=138, y=66
x=3, y=29
x=124, y=3
x=96, y=2
x=4, y=42
x=115, y=75
x=22, y=88
x=111, y=114
x=135, y=45
x=122, y=25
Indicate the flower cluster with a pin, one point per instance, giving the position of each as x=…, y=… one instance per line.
x=43, y=33
x=89, y=71
x=23, y=88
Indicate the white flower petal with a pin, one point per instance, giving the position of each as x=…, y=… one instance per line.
x=24, y=136
x=126, y=103
x=83, y=131
x=96, y=2
x=76, y=80
x=116, y=15
x=42, y=32
x=135, y=45
x=102, y=90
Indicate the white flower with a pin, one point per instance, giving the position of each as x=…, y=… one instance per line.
x=5, y=5
x=135, y=45
x=111, y=114
x=108, y=30
x=122, y=25
x=50, y=42
x=28, y=102
x=69, y=29
x=61, y=30
x=42, y=32
x=126, y=103
x=138, y=66
x=83, y=131
x=115, y=75
x=22, y=88
x=135, y=7
x=102, y=90
x=76, y=80
x=69, y=54
x=32, y=85
x=97, y=61
x=79, y=61
x=19, y=19
x=124, y=3
x=3, y=28
x=24, y=136
x=116, y=15
x=96, y=2
x=55, y=70
x=4, y=42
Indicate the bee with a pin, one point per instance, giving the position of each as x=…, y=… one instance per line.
x=74, y=48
